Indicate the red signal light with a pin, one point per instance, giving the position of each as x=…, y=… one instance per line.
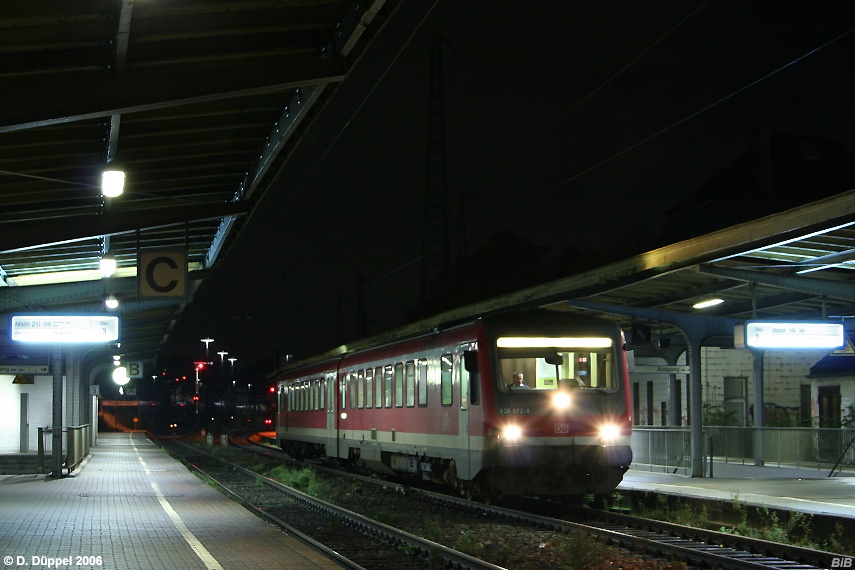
x=268, y=421
x=272, y=389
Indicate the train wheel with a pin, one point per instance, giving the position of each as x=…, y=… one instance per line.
x=480, y=491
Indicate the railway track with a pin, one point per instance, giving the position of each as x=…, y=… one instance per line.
x=700, y=547
x=354, y=540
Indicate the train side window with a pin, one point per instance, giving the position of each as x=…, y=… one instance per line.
x=360, y=389
x=422, y=382
x=387, y=386
x=343, y=388
x=369, y=387
x=399, y=385
x=464, y=385
x=410, y=375
x=313, y=394
x=378, y=387
x=321, y=391
x=446, y=393
x=353, y=391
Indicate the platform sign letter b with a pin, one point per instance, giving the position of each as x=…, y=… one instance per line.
x=134, y=369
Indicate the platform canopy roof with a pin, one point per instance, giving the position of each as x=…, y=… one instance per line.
x=793, y=265
x=200, y=102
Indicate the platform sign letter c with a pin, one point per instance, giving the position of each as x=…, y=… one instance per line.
x=150, y=274
x=162, y=274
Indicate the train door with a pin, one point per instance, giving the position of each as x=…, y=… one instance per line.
x=461, y=379
x=332, y=414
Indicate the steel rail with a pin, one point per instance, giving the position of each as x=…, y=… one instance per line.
x=696, y=545
x=451, y=557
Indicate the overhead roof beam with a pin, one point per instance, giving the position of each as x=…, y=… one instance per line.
x=840, y=290
x=38, y=233
x=679, y=297
x=34, y=104
x=359, y=17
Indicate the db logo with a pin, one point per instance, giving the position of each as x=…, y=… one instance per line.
x=841, y=562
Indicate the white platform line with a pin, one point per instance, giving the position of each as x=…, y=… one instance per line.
x=206, y=557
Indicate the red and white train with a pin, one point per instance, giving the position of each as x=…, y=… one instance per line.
x=441, y=406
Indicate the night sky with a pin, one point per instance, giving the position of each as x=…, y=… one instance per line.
x=567, y=123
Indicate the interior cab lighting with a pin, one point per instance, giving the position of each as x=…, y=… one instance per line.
x=550, y=342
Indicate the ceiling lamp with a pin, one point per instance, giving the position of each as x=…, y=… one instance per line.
x=120, y=375
x=708, y=303
x=107, y=264
x=113, y=181
x=111, y=302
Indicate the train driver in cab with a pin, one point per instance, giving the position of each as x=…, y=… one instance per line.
x=518, y=380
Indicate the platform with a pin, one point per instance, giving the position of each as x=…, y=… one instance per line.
x=790, y=488
x=131, y=505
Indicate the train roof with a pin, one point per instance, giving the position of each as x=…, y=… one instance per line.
x=437, y=324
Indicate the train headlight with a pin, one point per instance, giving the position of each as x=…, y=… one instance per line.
x=609, y=433
x=561, y=401
x=512, y=433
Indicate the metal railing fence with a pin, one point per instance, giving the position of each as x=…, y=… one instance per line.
x=669, y=448
x=75, y=445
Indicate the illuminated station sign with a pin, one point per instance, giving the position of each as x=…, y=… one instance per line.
x=67, y=329
x=789, y=334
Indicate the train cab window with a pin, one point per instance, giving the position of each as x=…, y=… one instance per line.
x=378, y=387
x=445, y=387
x=387, y=386
x=422, y=382
x=410, y=375
x=399, y=385
x=369, y=387
x=557, y=363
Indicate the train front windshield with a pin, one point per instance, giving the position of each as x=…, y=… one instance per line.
x=556, y=363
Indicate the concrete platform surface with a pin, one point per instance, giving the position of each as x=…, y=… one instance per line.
x=801, y=490
x=131, y=506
